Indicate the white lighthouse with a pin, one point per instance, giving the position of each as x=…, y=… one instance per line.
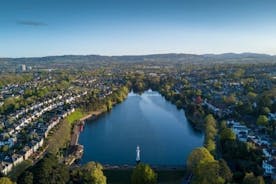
x=137, y=154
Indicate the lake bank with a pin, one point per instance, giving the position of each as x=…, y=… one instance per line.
x=92, y=115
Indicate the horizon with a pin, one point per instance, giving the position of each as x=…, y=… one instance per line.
x=150, y=54
x=130, y=27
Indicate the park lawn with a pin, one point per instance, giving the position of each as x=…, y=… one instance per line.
x=60, y=137
x=61, y=134
x=75, y=116
x=123, y=176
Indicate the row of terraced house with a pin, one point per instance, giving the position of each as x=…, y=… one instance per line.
x=27, y=119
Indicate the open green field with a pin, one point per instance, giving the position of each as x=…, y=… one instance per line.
x=59, y=137
x=123, y=176
x=75, y=116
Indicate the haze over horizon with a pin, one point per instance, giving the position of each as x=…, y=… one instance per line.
x=149, y=54
x=130, y=27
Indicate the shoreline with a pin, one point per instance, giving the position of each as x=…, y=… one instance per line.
x=92, y=114
x=76, y=129
x=154, y=167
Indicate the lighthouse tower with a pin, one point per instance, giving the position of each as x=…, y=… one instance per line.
x=137, y=154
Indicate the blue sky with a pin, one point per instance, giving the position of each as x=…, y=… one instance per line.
x=120, y=27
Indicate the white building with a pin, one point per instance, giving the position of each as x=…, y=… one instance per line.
x=269, y=167
x=17, y=159
x=241, y=131
x=5, y=167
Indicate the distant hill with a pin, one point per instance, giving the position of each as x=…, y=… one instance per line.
x=88, y=60
x=239, y=56
x=152, y=57
x=165, y=57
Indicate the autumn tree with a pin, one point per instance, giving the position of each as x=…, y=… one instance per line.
x=90, y=173
x=48, y=170
x=225, y=171
x=210, y=133
x=198, y=155
x=5, y=180
x=143, y=174
x=262, y=120
x=208, y=173
x=26, y=178
x=250, y=178
x=227, y=134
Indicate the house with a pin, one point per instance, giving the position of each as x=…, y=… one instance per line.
x=266, y=153
x=27, y=152
x=40, y=143
x=5, y=167
x=269, y=167
x=272, y=117
x=237, y=129
x=17, y=159
x=8, y=142
x=35, y=145
x=241, y=131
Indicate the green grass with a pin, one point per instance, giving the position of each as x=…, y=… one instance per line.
x=59, y=137
x=75, y=116
x=62, y=133
x=164, y=176
x=19, y=169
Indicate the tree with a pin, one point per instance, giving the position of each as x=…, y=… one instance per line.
x=238, y=73
x=90, y=173
x=262, y=120
x=143, y=174
x=95, y=173
x=210, y=146
x=231, y=99
x=109, y=105
x=265, y=101
x=5, y=180
x=227, y=134
x=210, y=133
x=225, y=171
x=178, y=104
x=198, y=155
x=223, y=125
x=49, y=171
x=251, y=95
x=208, y=173
x=210, y=120
x=251, y=179
x=198, y=92
x=26, y=178
x=5, y=148
x=265, y=110
x=245, y=108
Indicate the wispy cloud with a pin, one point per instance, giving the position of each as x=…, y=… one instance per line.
x=30, y=23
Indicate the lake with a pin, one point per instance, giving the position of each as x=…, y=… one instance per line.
x=161, y=130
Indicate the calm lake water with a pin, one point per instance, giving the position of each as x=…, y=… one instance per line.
x=148, y=120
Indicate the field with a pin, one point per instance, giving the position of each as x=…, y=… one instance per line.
x=75, y=116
